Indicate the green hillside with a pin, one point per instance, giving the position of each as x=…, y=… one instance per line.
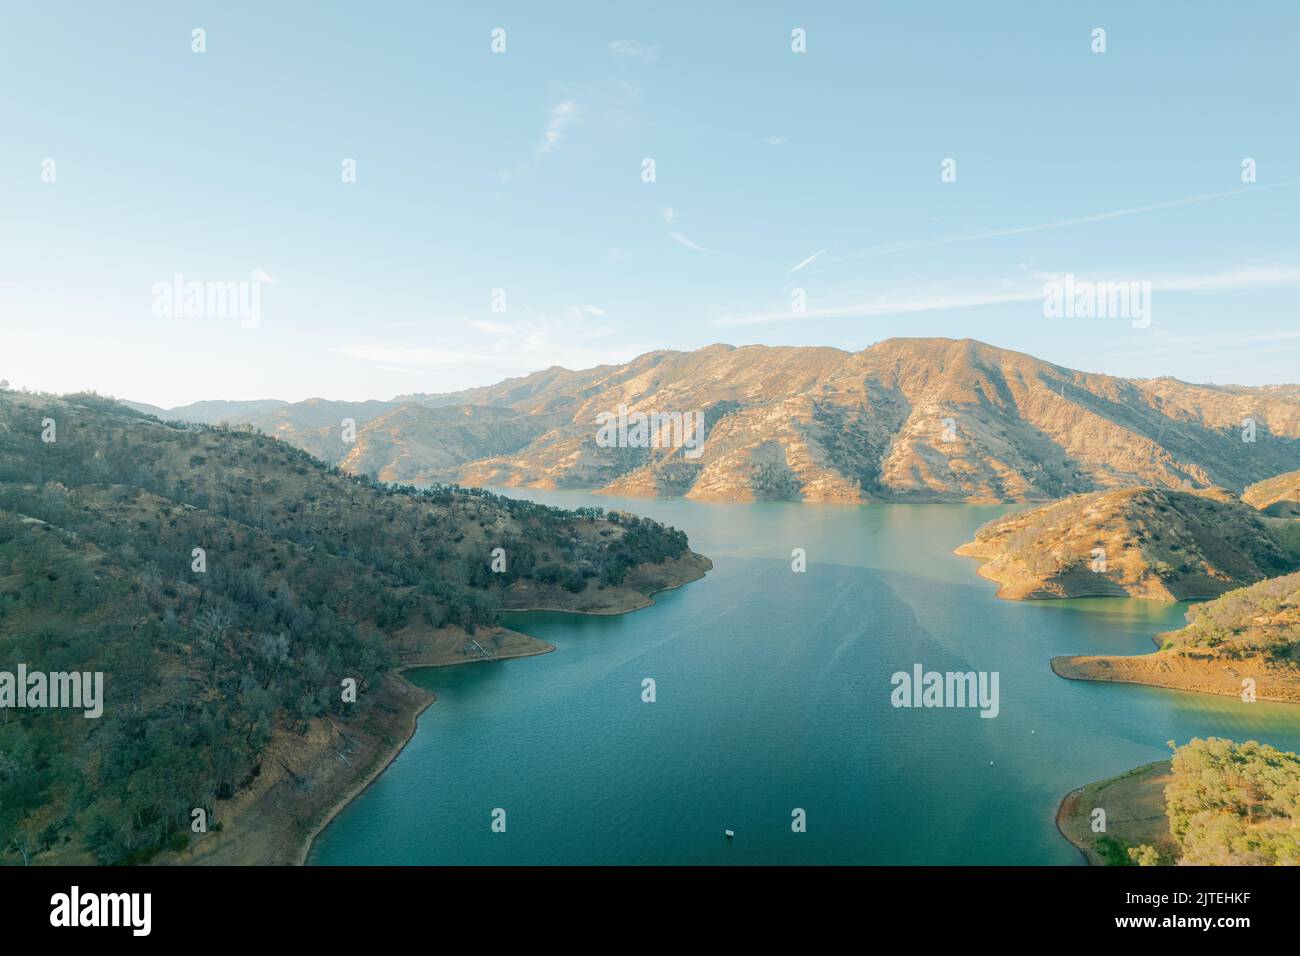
x=309, y=575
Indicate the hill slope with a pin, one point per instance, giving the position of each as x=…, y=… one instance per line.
x=1250, y=633
x=907, y=419
x=1278, y=496
x=224, y=670
x=1143, y=542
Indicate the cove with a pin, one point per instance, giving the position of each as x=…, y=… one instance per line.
x=773, y=694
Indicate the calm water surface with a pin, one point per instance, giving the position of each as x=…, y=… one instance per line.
x=773, y=693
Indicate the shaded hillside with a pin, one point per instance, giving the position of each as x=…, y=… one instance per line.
x=907, y=419
x=1278, y=496
x=214, y=412
x=1252, y=633
x=310, y=577
x=414, y=443
x=1143, y=542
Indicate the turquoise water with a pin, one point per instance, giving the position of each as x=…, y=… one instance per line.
x=773, y=693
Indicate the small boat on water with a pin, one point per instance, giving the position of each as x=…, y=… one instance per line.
x=730, y=834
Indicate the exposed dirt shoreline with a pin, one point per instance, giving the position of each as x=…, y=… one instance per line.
x=1134, y=804
x=1199, y=670
x=306, y=781
x=385, y=760
x=1063, y=812
x=381, y=764
x=1012, y=588
x=1073, y=583
x=1195, y=671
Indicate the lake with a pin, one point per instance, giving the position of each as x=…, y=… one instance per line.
x=773, y=693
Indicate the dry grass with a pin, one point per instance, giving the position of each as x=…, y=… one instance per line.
x=1135, y=814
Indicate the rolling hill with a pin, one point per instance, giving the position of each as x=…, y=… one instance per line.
x=1152, y=543
x=1249, y=633
x=228, y=585
x=1278, y=496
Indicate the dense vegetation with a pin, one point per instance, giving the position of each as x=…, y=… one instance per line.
x=1223, y=803
x=1263, y=619
x=307, y=573
x=1116, y=851
x=1235, y=804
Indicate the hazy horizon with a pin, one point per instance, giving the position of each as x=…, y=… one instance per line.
x=486, y=384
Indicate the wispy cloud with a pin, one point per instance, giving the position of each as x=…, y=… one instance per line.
x=633, y=50
x=1211, y=344
x=402, y=356
x=884, y=306
x=584, y=311
x=892, y=248
x=808, y=260
x=562, y=115
x=670, y=214
x=513, y=343
x=683, y=240
x=1203, y=282
x=1239, y=279
x=500, y=347
x=905, y=304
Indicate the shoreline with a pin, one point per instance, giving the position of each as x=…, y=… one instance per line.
x=1200, y=674
x=307, y=778
x=1135, y=807
x=383, y=762
x=1062, y=813
x=868, y=498
x=610, y=612
x=1067, y=586
x=1189, y=672
x=1088, y=668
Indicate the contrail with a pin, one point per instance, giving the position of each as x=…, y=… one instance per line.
x=1059, y=224
x=808, y=260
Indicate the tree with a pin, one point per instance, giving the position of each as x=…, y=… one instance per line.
x=1144, y=855
x=1235, y=804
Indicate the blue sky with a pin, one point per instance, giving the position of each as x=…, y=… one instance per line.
x=521, y=171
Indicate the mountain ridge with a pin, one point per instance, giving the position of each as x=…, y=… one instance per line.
x=925, y=419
